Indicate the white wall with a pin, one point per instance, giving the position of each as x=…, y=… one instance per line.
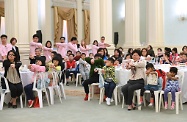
x=118, y=22
x=175, y=30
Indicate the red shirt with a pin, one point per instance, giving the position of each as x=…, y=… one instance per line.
x=71, y=64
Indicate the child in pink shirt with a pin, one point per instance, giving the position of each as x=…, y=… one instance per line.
x=61, y=47
x=47, y=51
x=72, y=45
x=36, y=68
x=34, y=44
x=95, y=47
x=84, y=48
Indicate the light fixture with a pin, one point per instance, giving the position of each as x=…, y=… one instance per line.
x=181, y=10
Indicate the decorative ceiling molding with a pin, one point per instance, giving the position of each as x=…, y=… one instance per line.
x=71, y=3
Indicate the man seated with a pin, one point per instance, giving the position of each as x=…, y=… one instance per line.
x=77, y=56
x=70, y=67
x=38, y=52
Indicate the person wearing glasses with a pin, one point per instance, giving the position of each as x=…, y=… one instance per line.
x=102, y=44
x=11, y=66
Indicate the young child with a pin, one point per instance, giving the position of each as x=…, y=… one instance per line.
x=84, y=67
x=36, y=68
x=110, y=80
x=153, y=83
x=171, y=86
x=117, y=63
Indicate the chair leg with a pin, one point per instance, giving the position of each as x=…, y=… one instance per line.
x=156, y=100
x=21, y=101
x=63, y=91
x=101, y=95
x=89, y=94
x=169, y=100
x=51, y=93
x=40, y=98
x=138, y=98
x=92, y=90
x=180, y=97
x=59, y=94
x=123, y=102
x=116, y=96
x=144, y=101
x=47, y=97
x=177, y=102
x=2, y=100
x=119, y=94
x=77, y=80
x=80, y=80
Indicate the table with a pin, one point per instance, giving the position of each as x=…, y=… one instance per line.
x=26, y=77
x=122, y=76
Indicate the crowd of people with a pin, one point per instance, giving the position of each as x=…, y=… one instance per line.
x=72, y=58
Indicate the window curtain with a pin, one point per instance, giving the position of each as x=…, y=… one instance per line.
x=2, y=14
x=70, y=16
x=87, y=26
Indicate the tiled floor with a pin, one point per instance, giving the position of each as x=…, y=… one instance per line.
x=74, y=109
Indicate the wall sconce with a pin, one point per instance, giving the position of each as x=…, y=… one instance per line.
x=181, y=9
x=182, y=17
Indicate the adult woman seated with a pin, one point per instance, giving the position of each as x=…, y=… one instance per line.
x=137, y=78
x=150, y=51
x=12, y=75
x=144, y=55
x=117, y=55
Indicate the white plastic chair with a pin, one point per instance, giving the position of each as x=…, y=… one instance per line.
x=136, y=93
x=156, y=93
x=92, y=91
x=43, y=88
x=178, y=100
x=4, y=92
x=78, y=79
x=63, y=94
x=55, y=86
x=115, y=93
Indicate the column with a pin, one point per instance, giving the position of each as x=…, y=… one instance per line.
x=45, y=13
x=106, y=20
x=94, y=20
x=16, y=24
x=79, y=20
x=33, y=17
x=155, y=22
x=132, y=23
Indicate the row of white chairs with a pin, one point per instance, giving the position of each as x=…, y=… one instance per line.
x=56, y=85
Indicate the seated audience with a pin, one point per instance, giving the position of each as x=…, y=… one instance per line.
x=130, y=50
x=167, y=50
x=128, y=56
x=153, y=83
x=106, y=53
x=34, y=44
x=172, y=86
x=150, y=51
x=70, y=67
x=69, y=52
x=12, y=65
x=117, y=55
x=38, y=52
x=173, y=55
x=77, y=56
x=36, y=68
x=145, y=55
x=102, y=53
x=137, y=78
x=62, y=47
x=95, y=63
x=47, y=49
x=159, y=54
x=84, y=67
x=121, y=50
x=91, y=55
x=13, y=42
x=184, y=58
x=165, y=59
x=184, y=49
x=109, y=78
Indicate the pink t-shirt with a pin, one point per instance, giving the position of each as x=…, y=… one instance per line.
x=94, y=49
x=101, y=45
x=36, y=69
x=72, y=47
x=62, y=49
x=84, y=50
x=4, y=49
x=47, y=53
x=33, y=46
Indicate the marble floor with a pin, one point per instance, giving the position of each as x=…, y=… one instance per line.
x=74, y=109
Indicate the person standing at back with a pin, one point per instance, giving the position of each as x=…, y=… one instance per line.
x=34, y=44
x=72, y=45
x=62, y=46
x=4, y=47
x=102, y=44
x=13, y=42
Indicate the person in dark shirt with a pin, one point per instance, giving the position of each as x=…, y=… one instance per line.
x=38, y=52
